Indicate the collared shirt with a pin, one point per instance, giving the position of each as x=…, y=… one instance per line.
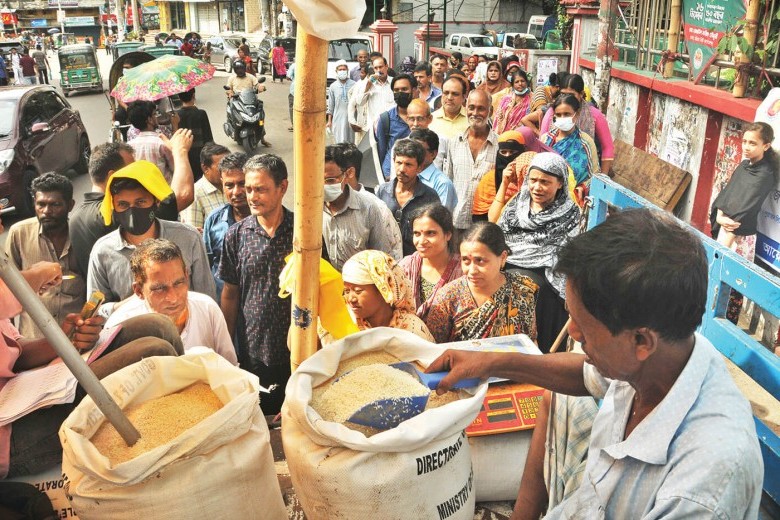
x=109, y=262
x=358, y=226
x=214, y=230
x=87, y=225
x=205, y=326
x=695, y=456
x=386, y=139
x=149, y=147
x=422, y=195
x=27, y=245
x=354, y=74
x=378, y=99
x=434, y=93
x=207, y=198
x=253, y=261
x=435, y=178
x=448, y=127
x=466, y=172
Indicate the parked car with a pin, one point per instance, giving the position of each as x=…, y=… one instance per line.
x=5, y=49
x=469, y=44
x=346, y=49
x=264, y=50
x=224, y=50
x=514, y=40
x=39, y=132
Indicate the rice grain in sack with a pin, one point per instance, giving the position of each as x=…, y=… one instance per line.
x=222, y=467
x=420, y=469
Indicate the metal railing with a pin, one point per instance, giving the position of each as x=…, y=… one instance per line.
x=727, y=270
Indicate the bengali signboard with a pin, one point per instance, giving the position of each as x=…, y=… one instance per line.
x=768, y=237
x=705, y=23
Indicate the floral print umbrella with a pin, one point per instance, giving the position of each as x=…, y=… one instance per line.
x=162, y=77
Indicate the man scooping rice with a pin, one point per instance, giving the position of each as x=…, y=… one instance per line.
x=673, y=437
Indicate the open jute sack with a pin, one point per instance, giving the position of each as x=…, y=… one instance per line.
x=222, y=467
x=420, y=469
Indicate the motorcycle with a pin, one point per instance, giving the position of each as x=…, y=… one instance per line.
x=245, y=122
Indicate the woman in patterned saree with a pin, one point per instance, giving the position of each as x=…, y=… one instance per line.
x=486, y=301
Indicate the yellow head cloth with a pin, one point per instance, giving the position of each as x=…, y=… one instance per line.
x=147, y=174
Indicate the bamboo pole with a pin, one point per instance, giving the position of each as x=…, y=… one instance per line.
x=673, y=40
x=751, y=30
x=65, y=349
x=309, y=158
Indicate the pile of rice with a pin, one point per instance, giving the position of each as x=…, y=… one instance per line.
x=366, y=378
x=158, y=421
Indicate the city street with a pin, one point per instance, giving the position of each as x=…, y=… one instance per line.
x=96, y=114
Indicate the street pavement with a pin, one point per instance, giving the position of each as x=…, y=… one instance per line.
x=96, y=114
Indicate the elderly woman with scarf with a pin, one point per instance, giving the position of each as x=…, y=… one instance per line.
x=486, y=301
x=515, y=105
x=434, y=264
x=378, y=294
x=512, y=145
x=575, y=146
x=536, y=223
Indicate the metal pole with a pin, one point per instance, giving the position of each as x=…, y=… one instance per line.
x=673, y=40
x=136, y=16
x=444, y=23
x=428, y=33
x=65, y=349
x=62, y=20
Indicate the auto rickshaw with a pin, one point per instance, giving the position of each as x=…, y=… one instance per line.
x=161, y=50
x=79, y=69
x=120, y=49
x=63, y=39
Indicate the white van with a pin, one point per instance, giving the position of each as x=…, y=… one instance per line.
x=469, y=44
x=346, y=49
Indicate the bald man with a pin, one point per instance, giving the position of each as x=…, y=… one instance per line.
x=464, y=167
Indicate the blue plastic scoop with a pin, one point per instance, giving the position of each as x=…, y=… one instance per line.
x=385, y=414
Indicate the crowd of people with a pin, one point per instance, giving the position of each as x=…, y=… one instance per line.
x=481, y=184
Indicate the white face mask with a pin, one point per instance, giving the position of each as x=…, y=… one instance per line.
x=342, y=74
x=564, y=123
x=332, y=192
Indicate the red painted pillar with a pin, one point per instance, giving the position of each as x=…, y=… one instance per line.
x=700, y=213
x=427, y=36
x=384, y=34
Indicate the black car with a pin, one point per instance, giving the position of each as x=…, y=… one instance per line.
x=264, y=51
x=39, y=132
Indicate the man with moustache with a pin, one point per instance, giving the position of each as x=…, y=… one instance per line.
x=231, y=172
x=362, y=58
x=253, y=256
x=451, y=119
x=407, y=193
x=46, y=238
x=208, y=189
x=470, y=155
x=439, y=69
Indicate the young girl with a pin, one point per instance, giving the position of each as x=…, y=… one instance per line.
x=735, y=210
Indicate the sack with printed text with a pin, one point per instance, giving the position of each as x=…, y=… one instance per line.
x=222, y=467
x=419, y=469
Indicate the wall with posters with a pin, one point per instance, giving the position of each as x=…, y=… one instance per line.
x=622, y=111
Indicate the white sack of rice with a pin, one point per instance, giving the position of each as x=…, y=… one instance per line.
x=364, y=385
x=158, y=421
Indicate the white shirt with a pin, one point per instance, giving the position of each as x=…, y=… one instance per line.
x=205, y=325
x=378, y=99
x=695, y=456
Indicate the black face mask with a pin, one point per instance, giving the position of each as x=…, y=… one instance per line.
x=135, y=221
x=501, y=164
x=402, y=99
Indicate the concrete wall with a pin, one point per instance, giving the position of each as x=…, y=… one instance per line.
x=252, y=17
x=622, y=110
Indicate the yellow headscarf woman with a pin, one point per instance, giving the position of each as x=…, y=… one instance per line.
x=378, y=294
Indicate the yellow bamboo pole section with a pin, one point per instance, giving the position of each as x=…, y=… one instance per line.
x=673, y=39
x=311, y=61
x=750, y=31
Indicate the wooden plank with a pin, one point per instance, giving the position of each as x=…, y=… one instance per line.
x=656, y=180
